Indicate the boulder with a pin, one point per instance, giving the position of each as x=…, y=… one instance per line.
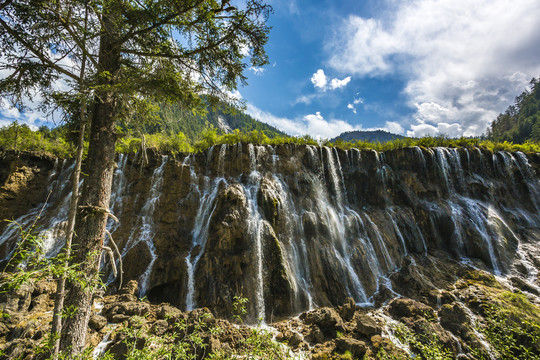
x=366, y=327
x=97, y=322
x=454, y=318
x=355, y=347
x=347, y=310
x=401, y=307
x=327, y=319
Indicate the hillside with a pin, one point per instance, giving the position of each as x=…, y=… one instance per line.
x=175, y=118
x=521, y=121
x=380, y=136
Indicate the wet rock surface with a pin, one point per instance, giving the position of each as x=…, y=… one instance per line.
x=323, y=333
x=294, y=228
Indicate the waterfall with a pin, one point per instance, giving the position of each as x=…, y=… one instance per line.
x=117, y=192
x=144, y=231
x=207, y=203
x=476, y=212
x=50, y=216
x=342, y=220
x=206, y=208
x=390, y=265
x=391, y=215
x=254, y=230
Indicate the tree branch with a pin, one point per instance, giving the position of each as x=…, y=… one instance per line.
x=5, y=3
x=37, y=53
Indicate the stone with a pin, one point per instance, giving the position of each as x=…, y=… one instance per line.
x=376, y=340
x=126, y=298
x=323, y=351
x=366, y=326
x=524, y=286
x=44, y=287
x=454, y=318
x=314, y=335
x=327, y=319
x=401, y=307
x=118, y=318
x=160, y=327
x=166, y=312
x=40, y=303
x=130, y=288
x=97, y=322
x=347, y=310
x=357, y=348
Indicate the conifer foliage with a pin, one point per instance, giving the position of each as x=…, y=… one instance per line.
x=115, y=57
x=521, y=121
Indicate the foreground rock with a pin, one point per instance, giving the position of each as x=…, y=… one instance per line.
x=449, y=325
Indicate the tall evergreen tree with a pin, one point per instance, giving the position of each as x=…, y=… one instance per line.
x=521, y=121
x=135, y=50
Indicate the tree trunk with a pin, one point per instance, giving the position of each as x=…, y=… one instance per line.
x=93, y=207
x=60, y=291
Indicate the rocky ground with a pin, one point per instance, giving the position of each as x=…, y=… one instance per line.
x=450, y=310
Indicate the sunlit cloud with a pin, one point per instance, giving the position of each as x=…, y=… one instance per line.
x=320, y=81
x=463, y=62
x=314, y=124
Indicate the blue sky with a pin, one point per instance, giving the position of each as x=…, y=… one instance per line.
x=413, y=67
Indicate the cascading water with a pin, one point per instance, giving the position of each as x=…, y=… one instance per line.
x=117, y=193
x=200, y=234
x=207, y=204
x=255, y=229
x=144, y=232
x=52, y=213
x=338, y=222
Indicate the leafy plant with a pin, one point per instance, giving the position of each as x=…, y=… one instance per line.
x=510, y=338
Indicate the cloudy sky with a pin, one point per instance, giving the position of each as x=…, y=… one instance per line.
x=410, y=67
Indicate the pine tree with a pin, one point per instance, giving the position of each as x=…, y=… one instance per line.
x=115, y=56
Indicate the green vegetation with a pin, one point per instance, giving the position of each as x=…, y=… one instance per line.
x=187, y=341
x=22, y=138
x=29, y=262
x=427, y=346
x=58, y=143
x=521, y=121
x=510, y=337
x=175, y=118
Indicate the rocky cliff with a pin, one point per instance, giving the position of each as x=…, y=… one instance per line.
x=293, y=228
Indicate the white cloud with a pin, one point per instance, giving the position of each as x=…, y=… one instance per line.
x=394, y=127
x=319, y=79
x=313, y=124
x=306, y=99
x=463, y=62
x=358, y=101
x=354, y=103
x=257, y=70
x=338, y=84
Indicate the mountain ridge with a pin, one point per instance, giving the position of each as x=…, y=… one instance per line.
x=367, y=135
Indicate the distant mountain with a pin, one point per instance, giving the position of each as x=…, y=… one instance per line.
x=380, y=136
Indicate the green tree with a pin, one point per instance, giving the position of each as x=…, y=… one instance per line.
x=520, y=122
x=115, y=55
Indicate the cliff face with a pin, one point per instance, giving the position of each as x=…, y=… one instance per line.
x=294, y=227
